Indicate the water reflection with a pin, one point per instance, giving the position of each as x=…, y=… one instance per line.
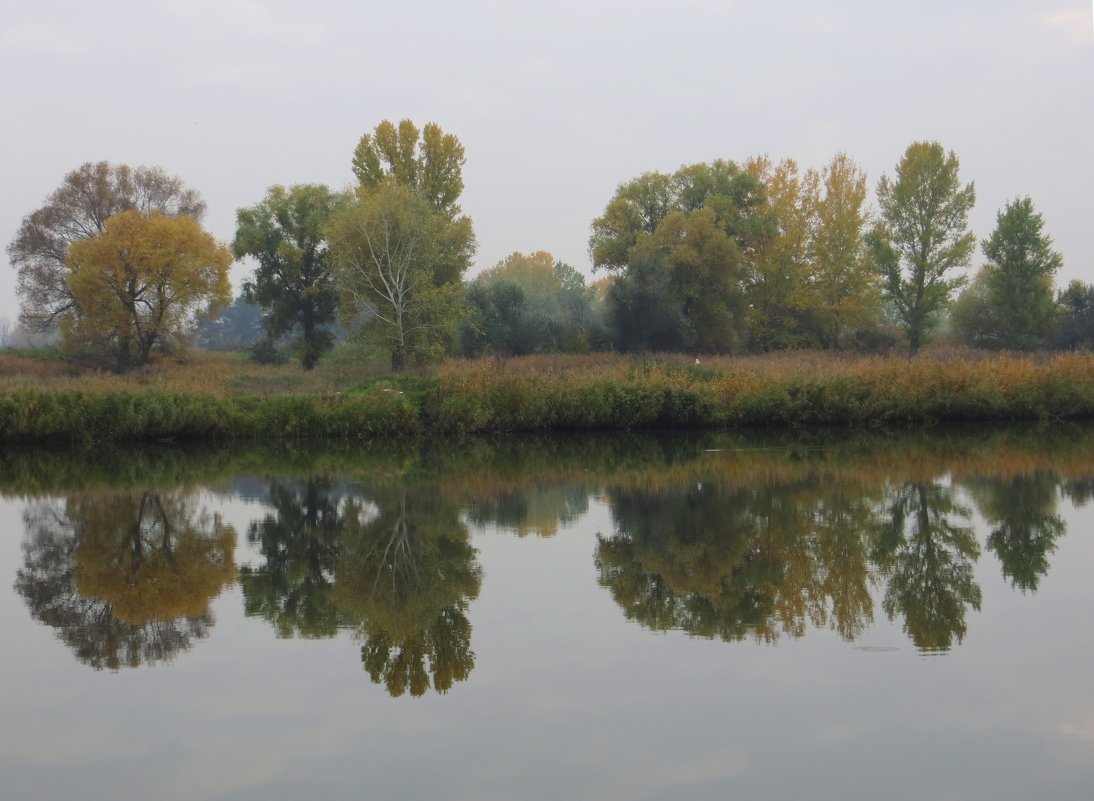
x=711, y=534
x=927, y=548
x=1024, y=525
x=393, y=563
x=299, y=539
x=406, y=575
x=125, y=578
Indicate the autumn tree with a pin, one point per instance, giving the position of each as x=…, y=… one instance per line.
x=779, y=275
x=402, y=245
x=843, y=283
x=923, y=237
x=137, y=285
x=687, y=234
x=398, y=264
x=76, y=210
x=429, y=163
x=294, y=279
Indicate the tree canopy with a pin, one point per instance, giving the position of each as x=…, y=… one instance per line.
x=399, y=264
x=923, y=236
x=78, y=209
x=427, y=162
x=677, y=243
x=294, y=279
x=138, y=283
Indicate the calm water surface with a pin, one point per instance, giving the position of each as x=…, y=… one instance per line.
x=822, y=616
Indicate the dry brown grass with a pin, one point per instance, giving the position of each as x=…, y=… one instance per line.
x=205, y=373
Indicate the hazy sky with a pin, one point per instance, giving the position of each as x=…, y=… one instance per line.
x=555, y=103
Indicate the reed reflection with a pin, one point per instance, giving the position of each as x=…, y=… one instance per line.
x=125, y=578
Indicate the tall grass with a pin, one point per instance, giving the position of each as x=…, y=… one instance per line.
x=218, y=398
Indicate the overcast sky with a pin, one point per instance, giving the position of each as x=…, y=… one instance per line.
x=555, y=103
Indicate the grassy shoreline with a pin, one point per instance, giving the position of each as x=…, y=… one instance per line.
x=560, y=394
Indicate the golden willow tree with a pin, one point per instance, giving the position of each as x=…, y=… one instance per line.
x=78, y=209
x=138, y=284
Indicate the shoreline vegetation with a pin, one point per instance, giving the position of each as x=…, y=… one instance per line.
x=217, y=398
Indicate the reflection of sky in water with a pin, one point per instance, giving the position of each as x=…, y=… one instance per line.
x=569, y=699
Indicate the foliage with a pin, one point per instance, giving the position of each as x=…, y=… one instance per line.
x=1075, y=316
x=779, y=277
x=126, y=578
x=407, y=573
x=398, y=265
x=294, y=279
x=429, y=163
x=1013, y=307
x=529, y=304
x=928, y=555
x=843, y=284
x=686, y=231
x=922, y=236
x=236, y=327
x=299, y=539
x=78, y=209
x=138, y=283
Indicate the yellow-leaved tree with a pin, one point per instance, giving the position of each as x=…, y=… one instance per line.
x=139, y=284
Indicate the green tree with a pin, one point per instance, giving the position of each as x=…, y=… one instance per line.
x=1020, y=271
x=1025, y=526
x=78, y=209
x=678, y=244
x=393, y=257
x=922, y=237
x=138, y=284
x=530, y=303
x=294, y=278
x=1075, y=316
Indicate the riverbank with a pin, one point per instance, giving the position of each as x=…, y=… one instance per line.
x=596, y=392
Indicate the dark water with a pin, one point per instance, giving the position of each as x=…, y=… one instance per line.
x=822, y=615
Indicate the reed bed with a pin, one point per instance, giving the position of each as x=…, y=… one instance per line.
x=215, y=397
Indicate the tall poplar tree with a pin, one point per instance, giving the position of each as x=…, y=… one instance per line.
x=923, y=237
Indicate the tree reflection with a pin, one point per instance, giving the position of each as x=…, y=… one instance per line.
x=299, y=539
x=407, y=574
x=1022, y=513
x=539, y=511
x=727, y=561
x=125, y=578
x=928, y=557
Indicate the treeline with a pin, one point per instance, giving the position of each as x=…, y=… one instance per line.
x=718, y=257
